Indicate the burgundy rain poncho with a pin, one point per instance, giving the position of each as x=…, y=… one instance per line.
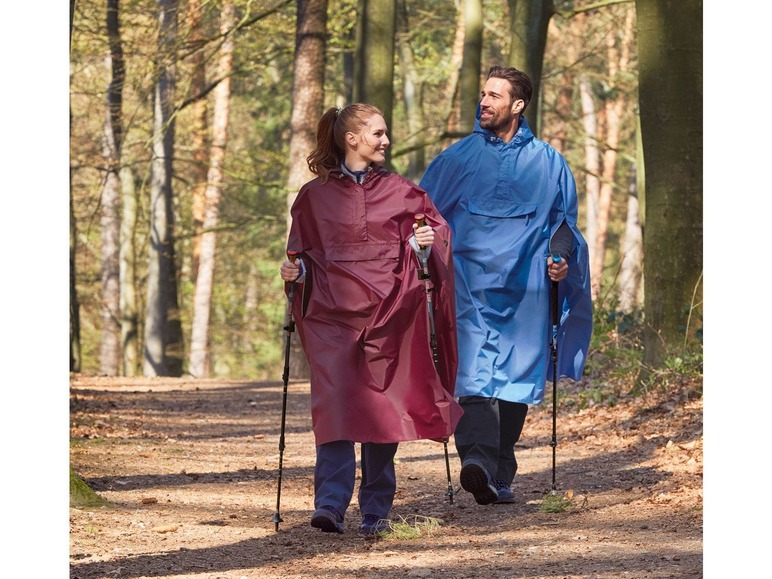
x=361, y=311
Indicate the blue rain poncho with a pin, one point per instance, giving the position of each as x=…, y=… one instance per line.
x=504, y=202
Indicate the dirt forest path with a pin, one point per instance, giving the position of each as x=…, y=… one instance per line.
x=191, y=466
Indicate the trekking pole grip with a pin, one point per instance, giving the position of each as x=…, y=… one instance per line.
x=423, y=274
x=290, y=327
x=554, y=293
x=420, y=219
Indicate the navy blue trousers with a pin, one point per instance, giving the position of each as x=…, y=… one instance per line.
x=488, y=431
x=335, y=473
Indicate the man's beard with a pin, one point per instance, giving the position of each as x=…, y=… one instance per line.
x=497, y=123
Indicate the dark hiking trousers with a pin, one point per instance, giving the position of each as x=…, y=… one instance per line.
x=488, y=431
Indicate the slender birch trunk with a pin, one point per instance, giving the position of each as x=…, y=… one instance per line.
x=127, y=260
x=202, y=301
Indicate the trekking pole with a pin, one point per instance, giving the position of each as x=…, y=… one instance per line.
x=291, y=255
x=554, y=351
x=424, y=275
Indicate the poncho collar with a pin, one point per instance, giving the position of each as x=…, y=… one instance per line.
x=358, y=177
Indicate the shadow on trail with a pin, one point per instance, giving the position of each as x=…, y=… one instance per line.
x=194, y=413
x=159, y=481
x=501, y=555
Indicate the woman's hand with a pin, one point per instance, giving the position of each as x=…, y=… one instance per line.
x=289, y=270
x=424, y=235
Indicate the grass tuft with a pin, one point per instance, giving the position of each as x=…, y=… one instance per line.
x=403, y=530
x=554, y=503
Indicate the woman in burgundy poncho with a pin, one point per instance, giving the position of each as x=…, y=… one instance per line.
x=361, y=313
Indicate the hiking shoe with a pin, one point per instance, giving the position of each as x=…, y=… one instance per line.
x=505, y=494
x=327, y=519
x=373, y=525
x=476, y=480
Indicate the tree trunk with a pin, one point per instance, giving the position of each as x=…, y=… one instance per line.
x=307, y=92
x=453, y=114
x=163, y=332
x=632, y=254
x=202, y=301
x=592, y=167
x=199, y=169
x=471, y=63
x=127, y=259
x=614, y=105
x=670, y=95
x=110, y=221
x=307, y=108
x=413, y=86
x=374, y=67
x=75, y=353
x=528, y=22
x=565, y=94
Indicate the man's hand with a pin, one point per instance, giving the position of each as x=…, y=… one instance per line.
x=557, y=271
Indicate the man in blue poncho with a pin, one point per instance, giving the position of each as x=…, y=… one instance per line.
x=510, y=200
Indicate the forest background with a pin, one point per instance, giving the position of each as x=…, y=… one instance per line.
x=180, y=185
x=45, y=142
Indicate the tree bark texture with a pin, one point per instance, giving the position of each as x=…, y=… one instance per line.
x=564, y=103
x=110, y=221
x=374, y=67
x=127, y=258
x=632, y=254
x=529, y=20
x=76, y=361
x=471, y=63
x=307, y=91
x=670, y=94
x=199, y=169
x=307, y=108
x=202, y=300
x=453, y=111
x=163, y=335
x=591, y=162
x=412, y=87
x=618, y=51
x=75, y=354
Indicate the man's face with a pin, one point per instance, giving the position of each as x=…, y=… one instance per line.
x=497, y=109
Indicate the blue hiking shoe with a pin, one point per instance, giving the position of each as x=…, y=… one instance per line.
x=476, y=480
x=373, y=525
x=505, y=493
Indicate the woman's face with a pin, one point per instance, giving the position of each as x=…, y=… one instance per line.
x=370, y=144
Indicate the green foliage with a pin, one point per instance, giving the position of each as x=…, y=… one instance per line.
x=615, y=364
